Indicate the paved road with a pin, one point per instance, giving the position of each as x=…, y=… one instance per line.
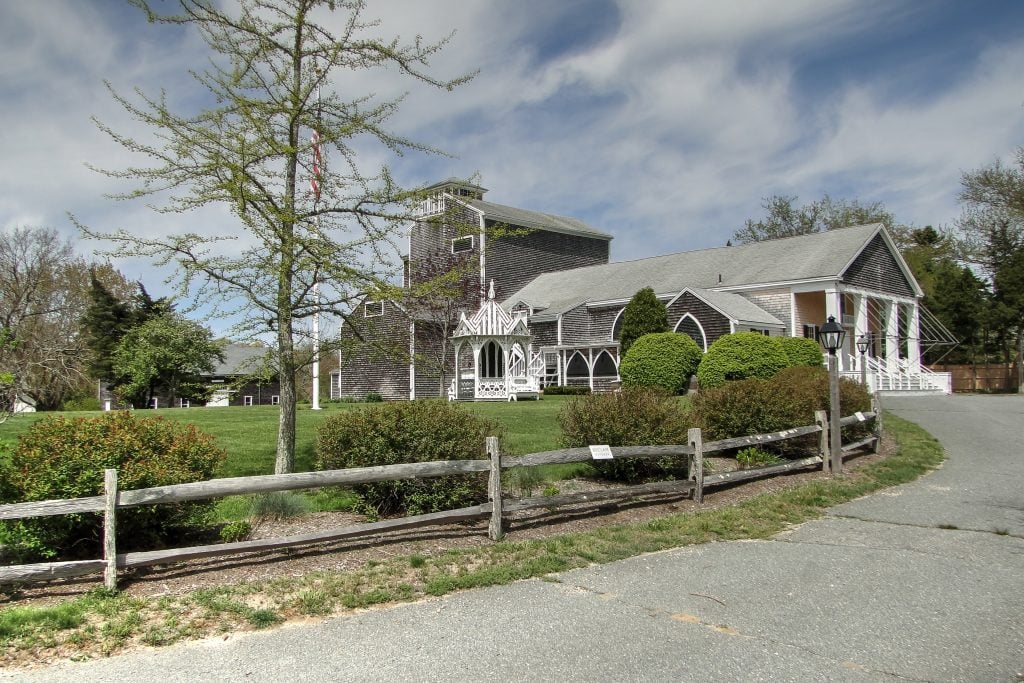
x=875, y=591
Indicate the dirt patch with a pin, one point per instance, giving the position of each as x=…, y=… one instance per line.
x=341, y=556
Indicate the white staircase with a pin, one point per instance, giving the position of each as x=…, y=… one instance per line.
x=900, y=377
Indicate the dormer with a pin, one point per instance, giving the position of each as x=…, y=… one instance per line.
x=434, y=203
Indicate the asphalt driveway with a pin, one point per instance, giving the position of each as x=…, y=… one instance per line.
x=921, y=582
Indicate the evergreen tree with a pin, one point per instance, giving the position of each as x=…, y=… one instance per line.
x=644, y=314
x=105, y=322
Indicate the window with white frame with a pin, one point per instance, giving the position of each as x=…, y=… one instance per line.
x=461, y=245
x=247, y=400
x=372, y=309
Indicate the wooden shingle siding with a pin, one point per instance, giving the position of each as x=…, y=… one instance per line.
x=379, y=363
x=876, y=268
x=513, y=261
x=428, y=239
x=774, y=301
x=544, y=334
x=714, y=323
x=576, y=326
x=601, y=322
x=428, y=343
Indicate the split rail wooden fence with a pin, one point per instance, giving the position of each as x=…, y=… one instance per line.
x=498, y=505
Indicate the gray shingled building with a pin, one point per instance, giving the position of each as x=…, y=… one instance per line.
x=555, y=274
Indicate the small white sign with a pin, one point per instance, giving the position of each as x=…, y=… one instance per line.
x=601, y=452
x=860, y=416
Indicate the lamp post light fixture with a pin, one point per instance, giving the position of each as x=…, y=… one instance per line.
x=831, y=337
x=862, y=346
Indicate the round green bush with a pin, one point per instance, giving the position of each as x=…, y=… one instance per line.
x=639, y=416
x=667, y=360
x=403, y=432
x=742, y=355
x=802, y=351
x=62, y=458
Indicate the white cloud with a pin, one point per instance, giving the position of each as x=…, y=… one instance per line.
x=663, y=122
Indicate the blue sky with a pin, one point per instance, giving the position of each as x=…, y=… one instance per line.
x=663, y=122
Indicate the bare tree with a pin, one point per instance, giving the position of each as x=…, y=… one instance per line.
x=43, y=296
x=271, y=74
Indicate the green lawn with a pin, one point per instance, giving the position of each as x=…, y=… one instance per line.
x=249, y=434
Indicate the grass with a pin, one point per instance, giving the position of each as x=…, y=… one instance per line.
x=99, y=623
x=249, y=434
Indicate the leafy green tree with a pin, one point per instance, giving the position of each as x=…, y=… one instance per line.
x=784, y=218
x=272, y=74
x=164, y=353
x=644, y=314
x=991, y=232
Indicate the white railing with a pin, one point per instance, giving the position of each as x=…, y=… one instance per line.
x=901, y=376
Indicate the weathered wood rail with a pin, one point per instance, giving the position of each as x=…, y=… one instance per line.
x=694, y=450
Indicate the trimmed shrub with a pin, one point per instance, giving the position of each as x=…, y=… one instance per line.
x=61, y=458
x=566, y=390
x=81, y=403
x=644, y=314
x=666, y=360
x=757, y=406
x=802, y=351
x=632, y=417
x=408, y=431
x=742, y=355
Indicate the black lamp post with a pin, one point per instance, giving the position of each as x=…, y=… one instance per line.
x=831, y=337
x=862, y=347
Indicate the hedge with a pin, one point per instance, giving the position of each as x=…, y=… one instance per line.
x=666, y=360
x=62, y=458
x=402, y=432
x=741, y=355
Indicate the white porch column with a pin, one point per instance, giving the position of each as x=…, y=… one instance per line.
x=892, y=334
x=476, y=370
x=458, y=373
x=860, y=322
x=832, y=309
x=914, y=336
x=590, y=369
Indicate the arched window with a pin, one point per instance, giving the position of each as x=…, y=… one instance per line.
x=689, y=326
x=492, y=361
x=577, y=366
x=604, y=365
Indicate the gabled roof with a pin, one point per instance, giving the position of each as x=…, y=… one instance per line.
x=735, y=307
x=818, y=256
x=534, y=219
x=240, y=359
x=492, y=321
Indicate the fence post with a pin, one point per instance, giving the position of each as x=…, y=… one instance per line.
x=110, y=529
x=876, y=408
x=821, y=419
x=494, y=530
x=697, y=474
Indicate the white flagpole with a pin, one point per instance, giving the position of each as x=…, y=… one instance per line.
x=316, y=285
